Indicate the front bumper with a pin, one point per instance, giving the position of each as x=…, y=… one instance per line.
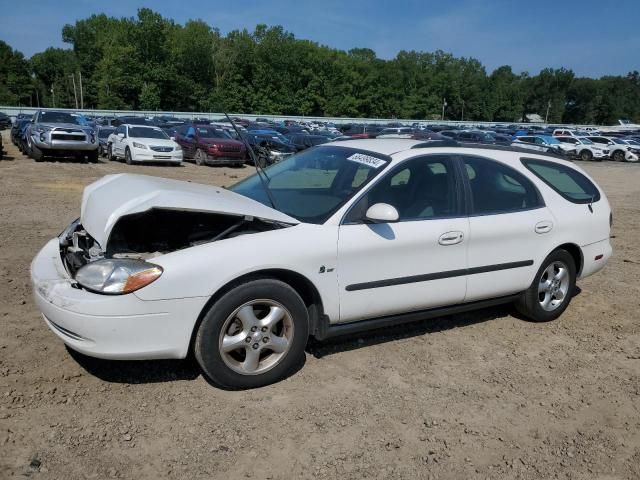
x=147, y=155
x=225, y=158
x=63, y=145
x=122, y=327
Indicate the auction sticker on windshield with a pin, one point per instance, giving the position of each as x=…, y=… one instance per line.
x=366, y=160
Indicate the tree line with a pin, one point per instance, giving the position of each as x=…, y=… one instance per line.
x=152, y=63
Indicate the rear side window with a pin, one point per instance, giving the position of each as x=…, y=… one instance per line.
x=569, y=183
x=497, y=188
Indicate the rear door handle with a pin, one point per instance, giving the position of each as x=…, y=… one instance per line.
x=544, y=227
x=451, y=238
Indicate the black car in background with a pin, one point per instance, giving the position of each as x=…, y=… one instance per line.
x=103, y=134
x=5, y=121
x=304, y=141
x=18, y=133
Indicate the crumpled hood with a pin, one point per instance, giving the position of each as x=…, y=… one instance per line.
x=113, y=196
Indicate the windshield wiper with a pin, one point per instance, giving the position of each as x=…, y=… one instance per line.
x=259, y=170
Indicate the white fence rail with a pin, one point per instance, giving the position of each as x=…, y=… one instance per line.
x=13, y=111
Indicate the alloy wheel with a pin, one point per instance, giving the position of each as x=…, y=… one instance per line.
x=553, y=286
x=256, y=337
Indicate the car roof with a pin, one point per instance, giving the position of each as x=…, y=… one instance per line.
x=402, y=148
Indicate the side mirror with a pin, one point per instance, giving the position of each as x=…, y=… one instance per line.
x=173, y=138
x=121, y=135
x=381, y=213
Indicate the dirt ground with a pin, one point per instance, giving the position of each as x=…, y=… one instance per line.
x=479, y=395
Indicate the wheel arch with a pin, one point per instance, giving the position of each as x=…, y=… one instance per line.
x=300, y=283
x=576, y=252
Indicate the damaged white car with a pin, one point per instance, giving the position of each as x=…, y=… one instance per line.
x=336, y=239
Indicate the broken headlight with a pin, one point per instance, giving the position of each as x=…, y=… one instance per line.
x=117, y=276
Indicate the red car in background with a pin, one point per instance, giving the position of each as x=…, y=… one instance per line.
x=208, y=145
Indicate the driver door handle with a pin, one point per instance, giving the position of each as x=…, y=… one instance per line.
x=451, y=238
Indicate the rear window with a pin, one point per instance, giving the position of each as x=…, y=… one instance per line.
x=569, y=183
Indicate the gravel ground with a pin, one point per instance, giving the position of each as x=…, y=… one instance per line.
x=478, y=395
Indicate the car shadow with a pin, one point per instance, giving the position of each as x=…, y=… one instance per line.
x=70, y=160
x=368, y=338
x=137, y=371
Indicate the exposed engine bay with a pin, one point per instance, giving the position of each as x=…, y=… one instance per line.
x=155, y=232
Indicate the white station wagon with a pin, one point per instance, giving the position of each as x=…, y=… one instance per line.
x=339, y=238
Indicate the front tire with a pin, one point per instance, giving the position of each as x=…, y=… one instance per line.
x=551, y=290
x=618, y=156
x=127, y=156
x=254, y=335
x=586, y=155
x=36, y=153
x=200, y=157
x=110, y=156
x=93, y=156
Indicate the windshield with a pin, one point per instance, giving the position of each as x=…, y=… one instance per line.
x=142, y=132
x=208, y=132
x=62, y=117
x=617, y=141
x=312, y=185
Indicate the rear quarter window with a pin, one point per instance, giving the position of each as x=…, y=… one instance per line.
x=567, y=182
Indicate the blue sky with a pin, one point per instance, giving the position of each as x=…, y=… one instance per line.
x=592, y=37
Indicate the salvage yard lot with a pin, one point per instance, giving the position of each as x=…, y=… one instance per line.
x=478, y=395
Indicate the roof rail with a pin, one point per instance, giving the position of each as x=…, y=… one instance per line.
x=485, y=146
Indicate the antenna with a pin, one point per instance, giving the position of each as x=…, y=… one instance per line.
x=252, y=154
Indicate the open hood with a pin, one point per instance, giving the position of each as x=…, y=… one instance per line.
x=113, y=196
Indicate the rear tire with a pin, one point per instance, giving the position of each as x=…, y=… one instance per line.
x=110, y=156
x=586, y=155
x=551, y=290
x=254, y=335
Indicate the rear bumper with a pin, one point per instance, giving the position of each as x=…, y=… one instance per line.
x=595, y=256
x=110, y=326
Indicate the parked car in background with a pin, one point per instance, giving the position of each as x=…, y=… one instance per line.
x=476, y=136
x=543, y=143
x=633, y=144
x=210, y=145
x=1, y=148
x=273, y=149
x=5, y=121
x=56, y=133
x=17, y=128
x=131, y=120
x=585, y=149
x=396, y=132
x=304, y=141
x=619, y=150
x=103, y=137
x=141, y=143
